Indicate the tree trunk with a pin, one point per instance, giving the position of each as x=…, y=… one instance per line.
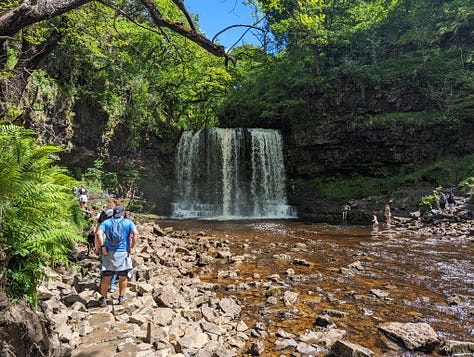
x=31, y=12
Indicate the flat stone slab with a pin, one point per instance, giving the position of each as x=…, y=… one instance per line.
x=413, y=336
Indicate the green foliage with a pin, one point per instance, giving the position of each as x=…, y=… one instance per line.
x=446, y=172
x=467, y=185
x=98, y=180
x=321, y=21
x=109, y=181
x=151, y=82
x=375, y=49
x=12, y=58
x=39, y=217
x=273, y=291
x=6, y=5
x=94, y=175
x=429, y=202
x=129, y=174
x=407, y=119
x=354, y=187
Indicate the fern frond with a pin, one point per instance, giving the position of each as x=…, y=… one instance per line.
x=39, y=218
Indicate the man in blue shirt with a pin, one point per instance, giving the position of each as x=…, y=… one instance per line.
x=116, y=257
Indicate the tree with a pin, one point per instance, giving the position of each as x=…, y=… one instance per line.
x=30, y=30
x=30, y=12
x=334, y=48
x=143, y=80
x=292, y=21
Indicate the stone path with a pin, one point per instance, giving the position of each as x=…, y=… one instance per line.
x=169, y=310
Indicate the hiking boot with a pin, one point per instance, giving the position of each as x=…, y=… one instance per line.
x=122, y=299
x=103, y=302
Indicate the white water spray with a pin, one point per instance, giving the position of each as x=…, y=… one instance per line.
x=231, y=174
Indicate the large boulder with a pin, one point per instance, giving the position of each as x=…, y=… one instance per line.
x=413, y=336
x=20, y=320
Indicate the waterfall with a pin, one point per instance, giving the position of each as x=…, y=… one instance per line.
x=231, y=174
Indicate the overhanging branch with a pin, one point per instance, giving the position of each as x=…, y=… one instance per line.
x=189, y=33
x=27, y=14
x=180, y=5
x=233, y=26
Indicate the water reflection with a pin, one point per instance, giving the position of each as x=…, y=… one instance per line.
x=424, y=278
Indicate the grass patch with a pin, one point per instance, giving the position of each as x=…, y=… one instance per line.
x=410, y=119
x=355, y=187
x=446, y=172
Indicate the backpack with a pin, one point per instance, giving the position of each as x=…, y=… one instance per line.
x=103, y=215
x=114, y=234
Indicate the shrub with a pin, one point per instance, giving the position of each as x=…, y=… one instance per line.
x=39, y=215
x=467, y=185
x=429, y=202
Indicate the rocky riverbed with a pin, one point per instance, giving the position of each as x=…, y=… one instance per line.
x=172, y=311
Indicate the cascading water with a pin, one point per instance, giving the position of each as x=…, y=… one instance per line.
x=231, y=174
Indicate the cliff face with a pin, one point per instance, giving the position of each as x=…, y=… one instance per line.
x=342, y=151
x=337, y=149
x=317, y=147
x=88, y=137
x=153, y=159
x=314, y=149
x=374, y=133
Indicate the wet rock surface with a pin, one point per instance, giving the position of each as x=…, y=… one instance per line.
x=413, y=336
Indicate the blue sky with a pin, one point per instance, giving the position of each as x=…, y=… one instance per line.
x=215, y=15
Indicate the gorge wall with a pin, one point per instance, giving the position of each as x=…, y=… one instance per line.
x=325, y=145
x=338, y=149
x=312, y=149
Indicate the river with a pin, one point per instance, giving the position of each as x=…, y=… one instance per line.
x=397, y=277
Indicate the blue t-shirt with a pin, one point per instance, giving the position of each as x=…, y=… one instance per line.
x=128, y=227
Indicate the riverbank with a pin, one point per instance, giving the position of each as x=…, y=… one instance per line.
x=455, y=225
x=404, y=205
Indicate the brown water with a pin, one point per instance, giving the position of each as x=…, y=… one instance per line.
x=418, y=273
